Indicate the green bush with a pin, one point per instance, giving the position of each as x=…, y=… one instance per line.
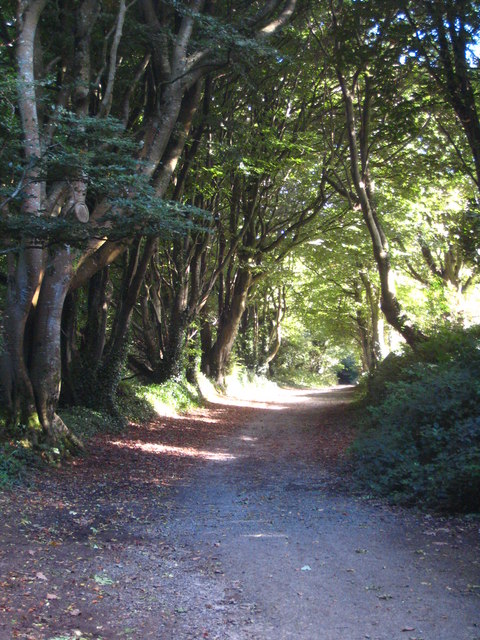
x=141, y=403
x=421, y=438
x=447, y=346
x=15, y=460
x=132, y=403
x=136, y=403
x=85, y=422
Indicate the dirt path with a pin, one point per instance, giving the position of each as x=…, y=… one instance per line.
x=230, y=524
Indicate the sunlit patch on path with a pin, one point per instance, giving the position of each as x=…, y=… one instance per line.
x=163, y=449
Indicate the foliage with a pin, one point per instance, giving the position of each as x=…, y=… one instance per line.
x=245, y=384
x=303, y=378
x=319, y=327
x=141, y=403
x=101, y=152
x=305, y=362
x=15, y=460
x=348, y=370
x=421, y=439
x=85, y=422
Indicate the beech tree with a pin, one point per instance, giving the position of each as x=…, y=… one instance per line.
x=140, y=65
x=362, y=83
x=270, y=205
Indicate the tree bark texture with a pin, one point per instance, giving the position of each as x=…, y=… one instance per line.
x=228, y=326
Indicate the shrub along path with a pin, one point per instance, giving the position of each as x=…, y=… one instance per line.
x=230, y=523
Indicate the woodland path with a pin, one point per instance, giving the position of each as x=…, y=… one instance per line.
x=230, y=524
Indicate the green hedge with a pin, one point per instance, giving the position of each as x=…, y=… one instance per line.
x=421, y=439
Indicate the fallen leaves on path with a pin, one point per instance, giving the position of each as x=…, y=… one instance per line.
x=58, y=534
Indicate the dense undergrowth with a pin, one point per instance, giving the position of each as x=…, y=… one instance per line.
x=136, y=403
x=420, y=441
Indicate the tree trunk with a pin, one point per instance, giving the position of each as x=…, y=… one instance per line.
x=206, y=345
x=68, y=349
x=94, y=336
x=104, y=378
x=228, y=326
x=25, y=273
x=81, y=362
x=361, y=181
x=172, y=364
x=162, y=357
x=45, y=354
x=375, y=342
x=276, y=335
x=23, y=281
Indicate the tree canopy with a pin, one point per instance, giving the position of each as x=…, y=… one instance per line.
x=180, y=180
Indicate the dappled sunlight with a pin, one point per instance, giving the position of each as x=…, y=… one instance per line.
x=197, y=417
x=251, y=395
x=180, y=452
x=230, y=401
x=272, y=398
x=162, y=409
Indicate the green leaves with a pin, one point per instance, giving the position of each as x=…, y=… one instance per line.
x=421, y=440
x=102, y=579
x=144, y=216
